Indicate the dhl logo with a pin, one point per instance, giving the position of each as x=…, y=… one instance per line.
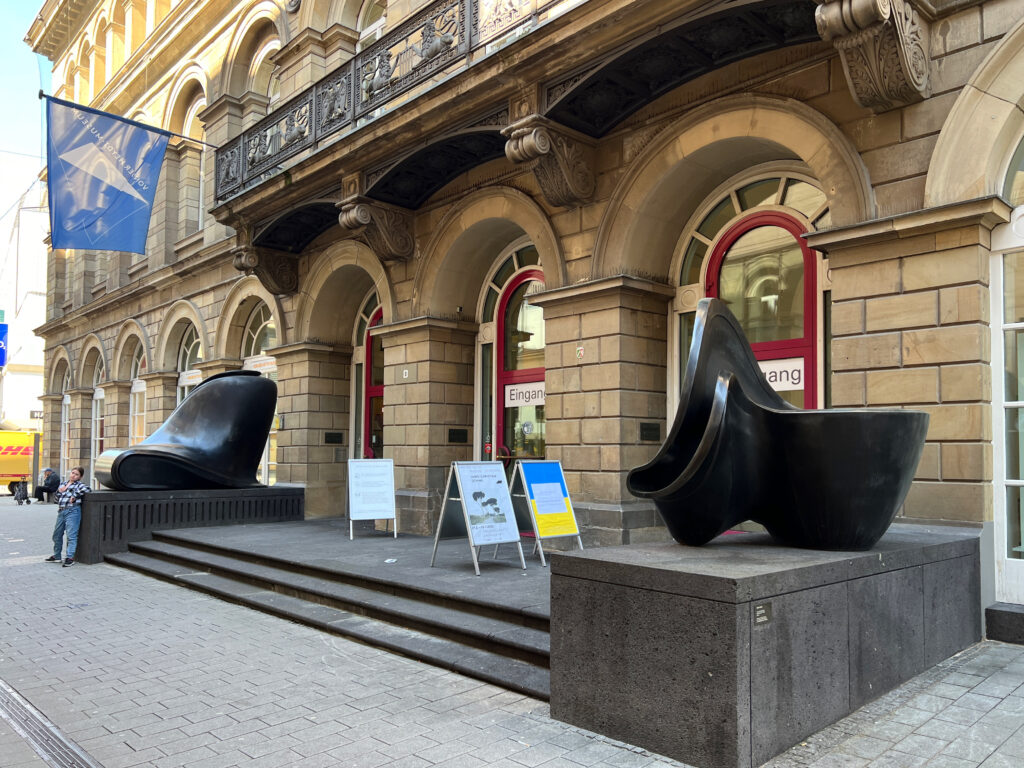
x=16, y=450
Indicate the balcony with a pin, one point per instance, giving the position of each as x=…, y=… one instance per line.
x=444, y=38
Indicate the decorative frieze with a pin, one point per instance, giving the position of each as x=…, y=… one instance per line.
x=387, y=229
x=562, y=161
x=883, y=45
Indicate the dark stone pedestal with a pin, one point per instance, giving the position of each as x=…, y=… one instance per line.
x=724, y=656
x=112, y=519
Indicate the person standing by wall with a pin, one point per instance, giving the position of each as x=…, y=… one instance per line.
x=69, y=516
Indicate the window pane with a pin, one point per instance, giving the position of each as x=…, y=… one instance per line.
x=1013, y=350
x=376, y=361
x=528, y=257
x=692, y=262
x=805, y=197
x=762, y=282
x=487, y=404
x=686, y=323
x=1014, y=512
x=357, y=433
x=1013, y=189
x=489, y=303
x=505, y=271
x=1013, y=288
x=524, y=431
x=717, y=219
x=370, y=305
x=524, y=332
x=758, y=193
x=1014, y=435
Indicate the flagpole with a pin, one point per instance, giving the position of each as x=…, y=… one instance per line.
x=125, y=119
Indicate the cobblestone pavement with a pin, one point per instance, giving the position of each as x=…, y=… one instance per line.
x=138, y=672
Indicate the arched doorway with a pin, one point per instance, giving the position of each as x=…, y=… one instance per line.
x=368, y=378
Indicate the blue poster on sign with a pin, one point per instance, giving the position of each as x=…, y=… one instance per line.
x=549, y=499
x=3, y=344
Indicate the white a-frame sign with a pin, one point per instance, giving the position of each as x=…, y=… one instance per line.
x=371, y=491
x=477, y=505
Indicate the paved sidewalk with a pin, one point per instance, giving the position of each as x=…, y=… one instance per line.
x=140, y=672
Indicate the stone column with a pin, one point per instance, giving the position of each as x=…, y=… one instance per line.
x=117, y=398
x=80, y=429
x=428, y=390
x=161, y=397
x=910, y=328
x=50, y=444
x=313, y=406
x=223, y=122
x=605, y=358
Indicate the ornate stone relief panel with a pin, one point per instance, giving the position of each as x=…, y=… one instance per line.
x=884, y=48
x=562, y=163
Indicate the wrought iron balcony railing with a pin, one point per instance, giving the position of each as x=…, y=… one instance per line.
x=440, y=38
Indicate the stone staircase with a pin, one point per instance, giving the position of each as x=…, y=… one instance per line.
x=488, y=640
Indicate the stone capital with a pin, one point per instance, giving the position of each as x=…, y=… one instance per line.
x=883, y=45
x=276, y=270
x=387, y=229
x=561, y=160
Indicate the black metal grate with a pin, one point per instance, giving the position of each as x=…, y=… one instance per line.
x=45, y=738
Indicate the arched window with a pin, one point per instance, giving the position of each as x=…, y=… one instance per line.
x=512, y=368
x=372, y=20
x=65, y=425
x=368, y=379
x=137, y=399
x=1013, y=188
x=97, y=433
x=260, y=335
x=745, y=247
x=190, y=353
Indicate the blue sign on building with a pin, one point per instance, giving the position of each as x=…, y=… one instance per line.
x=3, y=344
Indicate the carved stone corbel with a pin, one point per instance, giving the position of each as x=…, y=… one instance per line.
x=883, y=45
x=276, y=270
x=562, y=162
x=387, y=229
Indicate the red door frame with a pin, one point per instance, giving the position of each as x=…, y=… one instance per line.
x=370, y=390
x=502, y=378
x=805, y=347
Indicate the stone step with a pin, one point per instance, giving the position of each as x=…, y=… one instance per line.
x=496, y=659
x=456, y=620
x=1005, y=622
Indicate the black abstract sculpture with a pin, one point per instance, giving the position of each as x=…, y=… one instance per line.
x=829, y=479
x=213, y=439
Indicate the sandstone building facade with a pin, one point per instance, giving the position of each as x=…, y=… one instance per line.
x=479, y=229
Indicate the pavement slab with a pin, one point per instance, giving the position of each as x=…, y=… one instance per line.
x=140, y=672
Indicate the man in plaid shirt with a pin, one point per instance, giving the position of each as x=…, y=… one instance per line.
x=69, y=516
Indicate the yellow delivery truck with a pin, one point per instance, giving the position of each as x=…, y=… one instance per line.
x=17, y=449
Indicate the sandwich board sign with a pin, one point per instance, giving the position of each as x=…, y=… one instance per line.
x=371, y=491
x=542, y=503
x=477, y=506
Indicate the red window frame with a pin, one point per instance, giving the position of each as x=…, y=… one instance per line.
x=503, y=378
x=806, y=346
x=370, y=390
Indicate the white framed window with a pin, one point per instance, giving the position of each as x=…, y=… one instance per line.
x=98, y=422
x=137, y=398
x=65, y=426
x=190, y=353
x=260, y=335
x=367, y=383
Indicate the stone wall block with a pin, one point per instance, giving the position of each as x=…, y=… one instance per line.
x=959, y=421
x=967, y=461
x=880, y=350
x=849, y=390
x=903, y=386
x=971, y=502
x=862, y=280
x=953, y=344
x=928, y=466
x=847, y=318
x=944, y=268
x=964, y=304
x=965, y=383
x=907, y=310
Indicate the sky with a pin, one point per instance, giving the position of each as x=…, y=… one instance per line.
x=21, y=140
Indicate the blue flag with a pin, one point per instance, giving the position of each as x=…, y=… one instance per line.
x=102, y=173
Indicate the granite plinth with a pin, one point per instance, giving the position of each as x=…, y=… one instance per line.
x=113, y=519
x=725, y=655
